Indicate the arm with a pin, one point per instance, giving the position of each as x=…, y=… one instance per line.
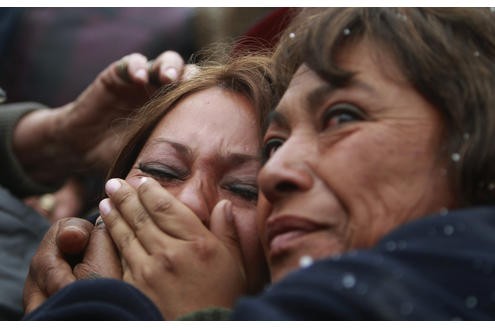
x=12, y=175
x=50, y=144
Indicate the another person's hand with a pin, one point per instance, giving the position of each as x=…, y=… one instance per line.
x=168, y=253
x=72, y=249
x=68, y=201
x=84, y=134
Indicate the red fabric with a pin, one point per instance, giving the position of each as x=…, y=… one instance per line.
x=266, y=32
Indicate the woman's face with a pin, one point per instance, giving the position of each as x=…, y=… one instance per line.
x=207, y=149
x=347, y=164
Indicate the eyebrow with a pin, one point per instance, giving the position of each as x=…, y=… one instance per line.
x=232, y=159
x=275, y=117
x=317, y=96
x=237, y=159
x=314, y=100
x=184, y=150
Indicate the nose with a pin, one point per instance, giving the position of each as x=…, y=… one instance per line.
x=287, y=171
x=196, y=195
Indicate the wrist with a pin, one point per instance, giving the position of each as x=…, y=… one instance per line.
x=40, y=147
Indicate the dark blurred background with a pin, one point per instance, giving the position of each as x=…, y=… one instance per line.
x=50, y=55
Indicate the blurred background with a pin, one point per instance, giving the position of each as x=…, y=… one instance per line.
x=49, y=55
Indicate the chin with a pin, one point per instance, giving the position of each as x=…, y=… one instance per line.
x=284, y=267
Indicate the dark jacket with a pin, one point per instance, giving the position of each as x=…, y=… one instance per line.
x=436, y=268
x=21, y=228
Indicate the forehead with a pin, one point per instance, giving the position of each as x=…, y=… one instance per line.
x=211, y=117
x=372, y=71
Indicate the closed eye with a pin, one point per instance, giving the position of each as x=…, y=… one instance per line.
x=246, y=191
x=162, y=172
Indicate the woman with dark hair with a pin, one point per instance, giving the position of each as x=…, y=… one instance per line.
x=377, y=185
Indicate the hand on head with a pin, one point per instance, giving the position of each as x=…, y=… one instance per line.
x=85, y=134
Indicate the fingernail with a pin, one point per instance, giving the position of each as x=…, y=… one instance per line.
x=99, y=222
x=171, y=74
x=112, y=186
x=228, y=211
x=141, y=74
x=105, y=206
x=142, y=180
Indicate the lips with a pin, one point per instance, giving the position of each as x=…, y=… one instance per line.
x=282, y=231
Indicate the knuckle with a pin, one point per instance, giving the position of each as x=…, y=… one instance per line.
x=123, y=198
x=110, y=220
x=33, y=267
x=167, y=261
x=140, y=218
x=52, y=281
x=160, y=263
x=127, y=239
x=135, y=56
x=203, y=248
x=172, y=57
x=161, y=206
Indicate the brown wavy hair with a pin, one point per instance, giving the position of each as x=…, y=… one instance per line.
x=248, y=75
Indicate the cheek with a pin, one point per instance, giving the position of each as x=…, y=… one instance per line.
x=384, y=179
x=245, y=223
x=263, y=211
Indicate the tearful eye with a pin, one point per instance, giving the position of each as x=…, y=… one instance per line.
x=162, y=172
x=270, y=147
x=341, y=114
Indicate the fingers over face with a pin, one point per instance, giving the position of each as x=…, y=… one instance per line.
x=122, y=234
x=222, y=224
x=125, y=200
x=168, y=213
x=125, y=204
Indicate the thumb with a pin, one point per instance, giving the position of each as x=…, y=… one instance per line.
x=73, y=235
x=222, y=225
x=101, y=258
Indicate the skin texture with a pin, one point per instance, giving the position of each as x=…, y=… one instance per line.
x=50, y=269
x=204, y=155
x=83, y=135
x=347, y=165
x=68, y=201
x=68, y=150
